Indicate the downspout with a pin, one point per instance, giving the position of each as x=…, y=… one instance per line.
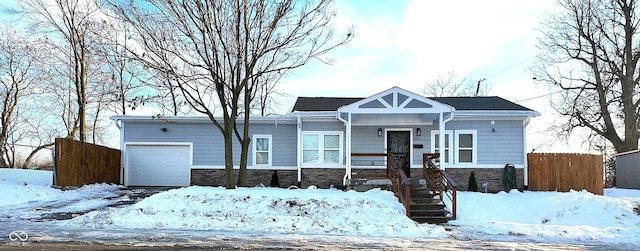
x=441, y=129
x=118, y=124
x=524, y=146
x=347, y=124
x=298, y=152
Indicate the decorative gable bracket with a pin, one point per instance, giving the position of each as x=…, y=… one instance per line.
x=396, y=101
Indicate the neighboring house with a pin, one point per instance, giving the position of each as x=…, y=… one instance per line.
x=313, y=144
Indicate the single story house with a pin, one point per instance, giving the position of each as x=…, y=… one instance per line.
x=313, y=144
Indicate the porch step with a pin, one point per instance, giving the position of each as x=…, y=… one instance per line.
x=424, y=208
x=431, y=219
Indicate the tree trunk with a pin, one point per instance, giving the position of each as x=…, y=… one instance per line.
x=245, y=140
x=26, y=163
x=228, y=155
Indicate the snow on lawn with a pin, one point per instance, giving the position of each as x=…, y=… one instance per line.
x=31, y=201
x=548, y=217
x=266, y=211
x=552, y=216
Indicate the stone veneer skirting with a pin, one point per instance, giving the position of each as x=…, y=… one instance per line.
x=320, y=177
x=492, y=175
x=327, y=177
x=215, y=177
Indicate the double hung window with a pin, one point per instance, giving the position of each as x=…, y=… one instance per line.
x=262, y=150
x=322, y=148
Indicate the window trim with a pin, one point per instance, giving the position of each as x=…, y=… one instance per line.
x=255, y=150
x=474, y=148
x=321, y=148
x=449, y=135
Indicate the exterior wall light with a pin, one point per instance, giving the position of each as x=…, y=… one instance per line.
x=418, y=131
x=379, y=132
x=164, y=129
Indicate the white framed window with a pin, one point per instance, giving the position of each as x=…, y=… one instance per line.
x=262, y=150
x=466, y=147
x=322, y=148
x=435, y=144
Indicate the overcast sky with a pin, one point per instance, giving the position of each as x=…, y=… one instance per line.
x=408, y=43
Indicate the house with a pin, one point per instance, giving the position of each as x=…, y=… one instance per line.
x=313, y=144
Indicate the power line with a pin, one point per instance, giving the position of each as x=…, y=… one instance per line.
x=541, y=96
x=511, y=67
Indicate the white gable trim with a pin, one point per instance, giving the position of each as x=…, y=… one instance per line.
x=398, y=101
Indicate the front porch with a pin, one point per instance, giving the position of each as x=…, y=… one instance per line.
x=429, y=197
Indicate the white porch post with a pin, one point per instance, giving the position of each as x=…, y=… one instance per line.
x=348, y=145
x=441, y=132
x=299, y=150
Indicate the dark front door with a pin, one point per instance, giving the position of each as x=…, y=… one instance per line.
x=398, y=145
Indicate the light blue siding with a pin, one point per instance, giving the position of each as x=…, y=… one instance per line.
x=365, y=140
x=323, y=126
x=505, y=145
x=208, y=143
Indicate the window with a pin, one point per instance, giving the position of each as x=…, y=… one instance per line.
x=466, y=143
x=262, y=150
x=322, y=148
x=435, y=145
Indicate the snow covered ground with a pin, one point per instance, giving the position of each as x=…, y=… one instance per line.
x=545, y=217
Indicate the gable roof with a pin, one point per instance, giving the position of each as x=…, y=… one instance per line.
x=491, y=103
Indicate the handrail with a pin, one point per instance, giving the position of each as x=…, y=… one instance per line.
x=400, y=183
x=404, y=191
x=440, y=182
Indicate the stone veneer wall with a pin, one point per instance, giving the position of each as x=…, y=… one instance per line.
x=323, y=177
x=320, y=177
x=215, y=177
x=326, y=177
x=491, y=175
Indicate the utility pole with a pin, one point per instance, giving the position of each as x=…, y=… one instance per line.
x=478, y=87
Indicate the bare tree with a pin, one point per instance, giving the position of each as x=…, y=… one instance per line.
x=449, y=84
x=591, y=54
x=20, y=70
x=124, y=78
x=73, y=24
x=218, y=49
x=267, y=95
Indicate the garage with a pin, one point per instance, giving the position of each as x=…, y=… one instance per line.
x=157, y=165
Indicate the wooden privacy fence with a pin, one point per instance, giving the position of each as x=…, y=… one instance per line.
x=78, y=163
x=563, y=172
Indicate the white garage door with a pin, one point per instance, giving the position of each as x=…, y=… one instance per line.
x=157, y=165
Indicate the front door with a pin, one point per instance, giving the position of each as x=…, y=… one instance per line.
x=399, y=146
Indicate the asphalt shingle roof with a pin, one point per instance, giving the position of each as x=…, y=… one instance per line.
x=492, y=103
x=316, y=104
